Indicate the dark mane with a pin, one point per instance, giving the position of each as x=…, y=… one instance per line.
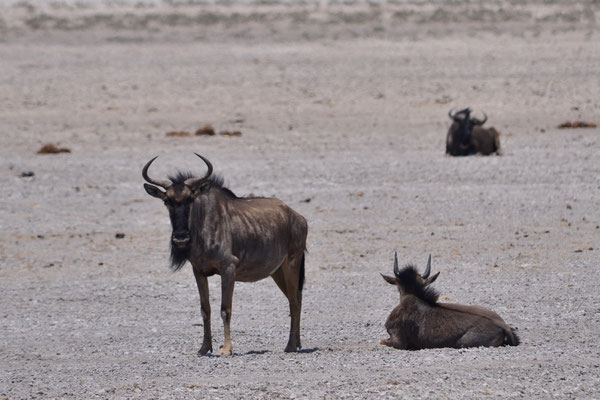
x=407, y=278
x=178, y=258
x=215, y=181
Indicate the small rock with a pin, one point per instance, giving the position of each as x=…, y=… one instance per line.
x=120, y=235
x=230, y=133
x=206, y=130
x=577, y=124
x=52, y=149
x=178, y=134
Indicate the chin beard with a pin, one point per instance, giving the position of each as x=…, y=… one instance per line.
x=178, y=257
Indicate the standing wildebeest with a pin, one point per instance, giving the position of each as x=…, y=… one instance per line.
x=241, y=239
x=420, y=322
x=467, y=136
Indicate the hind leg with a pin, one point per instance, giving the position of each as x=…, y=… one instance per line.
x=227, y=284
x=287, y=277
x=481, y=337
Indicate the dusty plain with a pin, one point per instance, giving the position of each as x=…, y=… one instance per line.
x=343, y=113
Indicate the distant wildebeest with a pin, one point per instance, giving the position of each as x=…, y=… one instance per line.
x=240, y=238
x=467, y=136
x=420, y=322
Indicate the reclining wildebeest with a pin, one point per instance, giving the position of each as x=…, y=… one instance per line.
x=467, y=136
x=240, y=238
x=420, y=322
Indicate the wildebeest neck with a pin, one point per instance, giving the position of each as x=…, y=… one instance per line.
x=409, y=284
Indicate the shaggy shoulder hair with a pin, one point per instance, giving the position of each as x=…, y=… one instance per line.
x=215, y=181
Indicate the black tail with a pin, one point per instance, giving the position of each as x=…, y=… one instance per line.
x=301, y=278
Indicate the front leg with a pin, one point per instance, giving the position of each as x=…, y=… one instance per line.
x=227, y=283
x=395, y=341
x=202, y=283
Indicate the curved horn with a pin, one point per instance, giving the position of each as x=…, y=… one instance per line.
x=197, y=181
x=478, y=122
x=164, y=184
x=454, y=116
x=396, y=269
x=427, y=269
x=484, y=118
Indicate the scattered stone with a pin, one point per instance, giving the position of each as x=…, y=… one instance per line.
x=576, y=124
x=206, y=130
x=52, y=149
x=178, y=134
x=27, y=174
x=120, y=235
x=230, y=133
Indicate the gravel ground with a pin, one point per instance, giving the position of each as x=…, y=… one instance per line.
x=343, y=114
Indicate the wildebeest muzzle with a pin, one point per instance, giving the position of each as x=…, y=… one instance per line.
x=180, y=239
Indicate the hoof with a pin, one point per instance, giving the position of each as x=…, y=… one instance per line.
x=292, y=348
x=204, y=350
x=226, y=351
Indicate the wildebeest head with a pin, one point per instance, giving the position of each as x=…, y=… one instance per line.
x=465, y=124
x=180, y=192
x=409, y=281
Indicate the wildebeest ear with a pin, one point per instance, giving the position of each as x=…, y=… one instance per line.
x=155, y=192
x=431, y=279
x=389, y=279
x=199, y=189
